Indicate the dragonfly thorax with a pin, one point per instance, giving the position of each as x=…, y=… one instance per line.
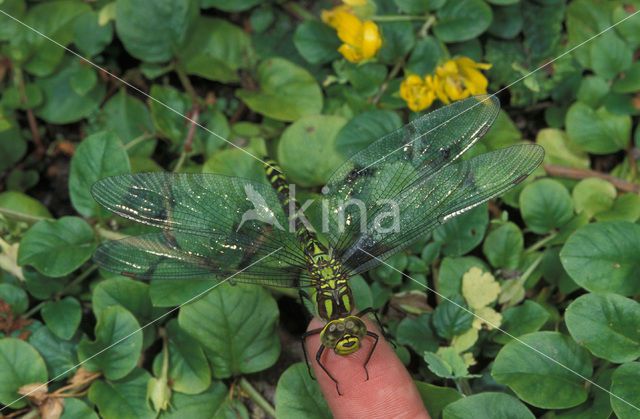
x=333, y=298
x=344, y=335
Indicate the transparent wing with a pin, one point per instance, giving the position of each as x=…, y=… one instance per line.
x=435, y=199
x=233, y=220
x=174, y=255
x=395, y=162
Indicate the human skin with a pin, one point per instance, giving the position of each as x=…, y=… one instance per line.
x=389, y=392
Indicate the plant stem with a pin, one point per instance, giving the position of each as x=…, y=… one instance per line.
x=19, y=216
x=541, y=243
x=425, y=28
x=523, y=278
x=33, y=125
x=139, y=139
x=34, y=310
x=575, y=173
x=383, y=88
x=399, y=18
x=298, y=11
x=257, y=397
x=108, y=234
x=78, y=279
x=186, y=83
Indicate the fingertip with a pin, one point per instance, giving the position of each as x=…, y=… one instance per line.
x=389, y=391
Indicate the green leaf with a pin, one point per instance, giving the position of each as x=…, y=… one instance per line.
x=237, y=326
x=84, y=80
x=214, y=401
x=287, y=92
x=16, y=297
x=89, y=36
x=535, y=378
x=520, y=320
x=559, y=149
x=124, y=292
x=592, y=91
x=59, y=355
x=598, y=132
x=436, y=398
x=398, y=40
x=425, y=56
x=451, y=271
x=413, y=7
x=125, y=398
x=629, y=30
x=57, y=248
x=503, y=246
x=607, y=324
x=629, y=81
x=316, y=42
x=20, y=364
x=235, y=162
x=585, y=19
x=98, y=156
x=447, y=364
x=215, y=49
x=625, y=384
x=463, y=233
x=462, y=20
x=452, y=317
x=545, y=205
x=593, y=195
x=626, y=207
x=62, y=317
x=188, y=367
x=503, y=133
x=154, y=32
x=175, y=293
x=604, y=257
x=129, y=118
x=297, y=395
x=507, y=21
x=117, y=347
x=487, y=405
x=12, y=145
x=75, y=408
x=554, y=273
x=417, y=333
x=365, y=128
x=167, y=107
x=610, y=55
x=229, y=5
x=62, y=104
x=308, y=137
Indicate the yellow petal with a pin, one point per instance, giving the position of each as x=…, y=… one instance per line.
x=349, y=29
x=446, y=69
x=478, y=288
x=350, y=53
x=371, y=40
x=438, y=85
x=329, y=16
x=475, y=81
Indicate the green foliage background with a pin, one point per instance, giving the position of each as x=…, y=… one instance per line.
x=266, y=76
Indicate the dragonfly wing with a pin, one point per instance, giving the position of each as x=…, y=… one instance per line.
x=396, y=161
x=212, y=211
x=437, y=198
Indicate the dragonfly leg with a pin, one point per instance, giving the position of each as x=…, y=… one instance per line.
x=318, y=354
x=375, y=337
x=375, y=314
x=303, y=339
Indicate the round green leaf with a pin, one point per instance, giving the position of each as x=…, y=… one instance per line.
x=604, y=257
x=298, y=396
x=592, y=91
x=424, y=56
x=507, y=21
x=167, y=107
x=451, y=271
x=629, y=81
x=452, y=317
x=84, y=80
x=237, y=326
x=365, y=128
x=124, y=398
x=215, y=49
x=59, y=355
x=287, y=92
x=75, y=408
x=56, y=248
x=129, y=118
x=545, y=205
x=16, y=297
x=503, y=246
x=128, y=293
x=554, y=273
x=607, y=324
x=154, y=31
x=463, y=233
x=307, y=150
x=487, y=405
x=235, y=162
x=62, y=104
x=214, y=401
x=175, y=293
x=89, y=36
x=517, y=321
x=398, y=39
x=630, y=28
x=316, y=42
x=417, y=333
x=559, y=149
x=610, y=55
x=593, y=195
x=19, y=202
x=12, y=145
x=626, y=207
x=188, y=367
x=118, y=331
x=229, y=5
x=597, y=131
x=98, y=156
x=462, y=20
x=625, y=384
x=20, y=364
x=436, y=398
x=539, y=380
x=62, y=317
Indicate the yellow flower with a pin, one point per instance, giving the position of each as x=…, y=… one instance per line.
x=460, y=78
x=419, y=93
x=361, y=39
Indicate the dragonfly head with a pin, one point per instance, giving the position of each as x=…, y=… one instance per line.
x=344, y=335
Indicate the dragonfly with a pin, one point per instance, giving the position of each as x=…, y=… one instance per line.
x=379, y=201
